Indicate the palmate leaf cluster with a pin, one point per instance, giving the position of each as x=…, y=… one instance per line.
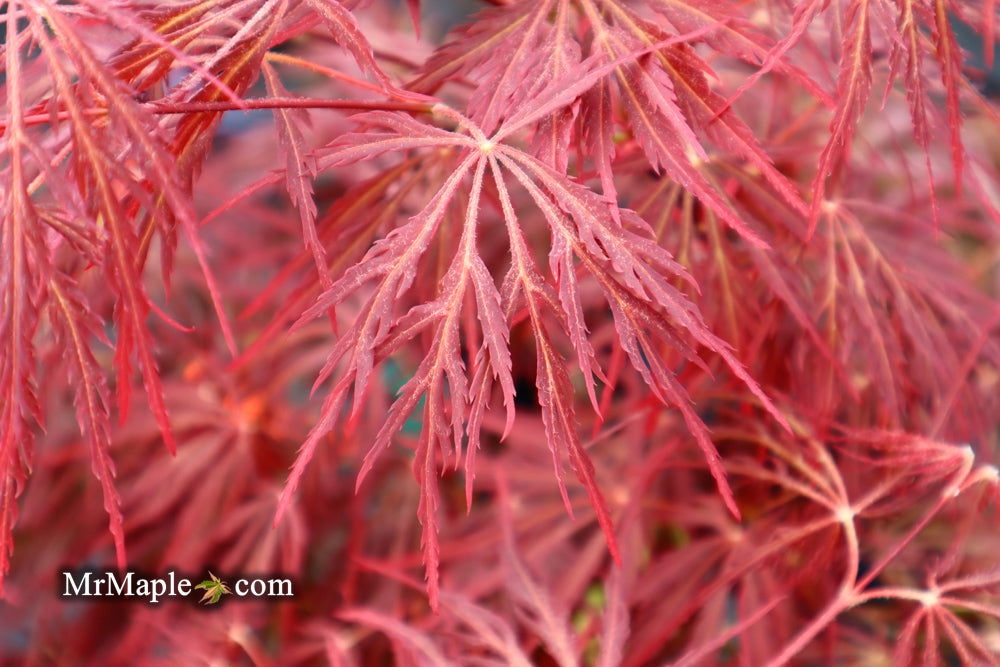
x=682, y=314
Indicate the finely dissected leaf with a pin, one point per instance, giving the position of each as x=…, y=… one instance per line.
x=444, y=362
x=164, y=178
x=583, y=229
x=256, y=28
x=345, y=30
x=493, y=29
x=23, y=255
x=300, y=169
x=853, y=87
x=508, y=80
x=729, y=32
x=150, y=145
x=855, y=77
x=597, y=134
x=98, y=165
x=392, y=260
x=949, y=59
x=239, y=63
x=561, y=54
x=666, y=136
x=803, y=16
x=75, y=325
x=650, y=100
x=348, y=234
x=155, y=46
x=637, y=261
x=551, y=380
x=908, y=46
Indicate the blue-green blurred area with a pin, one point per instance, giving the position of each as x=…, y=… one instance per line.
x=970, y=40
x=448, y=13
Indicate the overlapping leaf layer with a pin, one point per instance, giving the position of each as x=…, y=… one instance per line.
x=711, y=330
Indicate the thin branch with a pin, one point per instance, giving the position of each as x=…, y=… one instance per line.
x=164, y=108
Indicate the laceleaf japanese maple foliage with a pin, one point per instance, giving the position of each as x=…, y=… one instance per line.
x=604, y=332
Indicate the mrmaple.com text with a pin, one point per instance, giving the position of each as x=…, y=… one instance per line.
x=130, y=585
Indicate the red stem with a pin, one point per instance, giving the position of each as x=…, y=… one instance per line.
x=289, y=103
x=161, y=108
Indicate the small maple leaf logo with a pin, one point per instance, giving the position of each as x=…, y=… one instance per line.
x=214, y=589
